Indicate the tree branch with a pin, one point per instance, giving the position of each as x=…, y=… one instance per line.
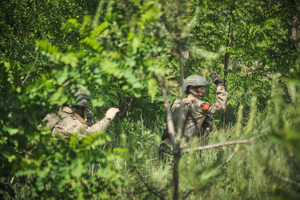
x=170, y=124
x=286, y=179
x=218, y=145
x=186, y=194
x=29, y=12
x=228, y=159
x=36, y=58
x=164, y=20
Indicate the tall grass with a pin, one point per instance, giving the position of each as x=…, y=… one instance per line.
x=128, y=165
x=263, y=169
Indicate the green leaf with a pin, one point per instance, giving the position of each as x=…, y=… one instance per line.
x=152, y=87
x=77, y=168
x=115, y=55
x=74, y=22
x=97, y=102
x=10, y=130
x=62, y=76
x=135, y=43
x=9, y=157
x=69, y=58
x=99, y=29
x=93, y=140
x=43, y=173
x=40, y=185
x=137, y=85
x=110, y=67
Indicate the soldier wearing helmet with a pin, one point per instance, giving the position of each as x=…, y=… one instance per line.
x=72, y=119
x=196, y=112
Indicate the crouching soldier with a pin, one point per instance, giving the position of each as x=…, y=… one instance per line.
x=72, y=119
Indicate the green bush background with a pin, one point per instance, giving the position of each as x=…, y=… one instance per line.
x=118, y=49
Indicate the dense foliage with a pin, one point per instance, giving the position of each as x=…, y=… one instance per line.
x=126, y=53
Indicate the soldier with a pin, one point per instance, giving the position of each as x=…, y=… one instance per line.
x=196, y=120
x=74, y=118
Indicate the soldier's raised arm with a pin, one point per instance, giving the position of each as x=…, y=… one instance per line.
x=104, y=123
x=220, y=105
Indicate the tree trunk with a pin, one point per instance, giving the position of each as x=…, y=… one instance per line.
x=175, y=183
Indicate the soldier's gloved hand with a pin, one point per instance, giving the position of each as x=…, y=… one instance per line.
x=215, y=78
x=111, y=113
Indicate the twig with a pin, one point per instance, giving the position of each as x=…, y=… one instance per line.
x=228, y=159
x=203, y=194
x=218, y=145
x=164, y=20
x=244, y=122
x=64, y=85
x=286, y=179
x=37, y=55
x=29, y=12
x=186, y=194
x=202, y=139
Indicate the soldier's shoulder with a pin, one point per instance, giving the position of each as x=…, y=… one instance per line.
x=50, y=116
x=51, y=119
x=177, y=101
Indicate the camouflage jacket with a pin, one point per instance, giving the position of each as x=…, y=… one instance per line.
x=196, y=111
x=66, y=122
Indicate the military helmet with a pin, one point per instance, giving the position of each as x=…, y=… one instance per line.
x=82, y=95
x=194, y=81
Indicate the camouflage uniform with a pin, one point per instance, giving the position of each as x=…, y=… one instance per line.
x=198, y=110
x=71, y=119
x=67, y=122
